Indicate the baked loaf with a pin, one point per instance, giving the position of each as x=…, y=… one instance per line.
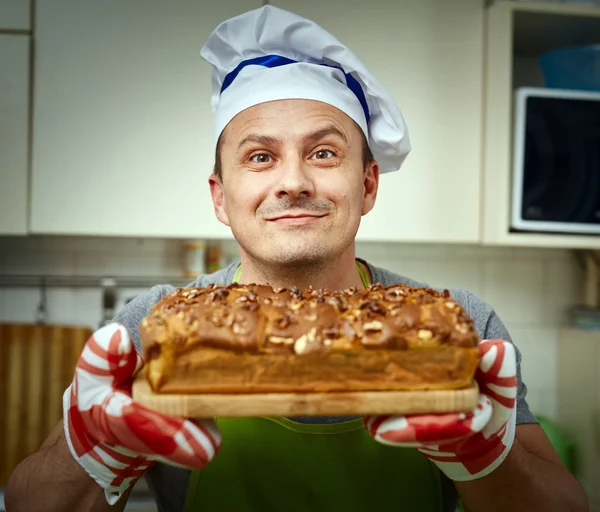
x=256, y=339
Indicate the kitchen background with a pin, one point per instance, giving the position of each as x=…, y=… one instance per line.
x=103, y=192
x=531, y=289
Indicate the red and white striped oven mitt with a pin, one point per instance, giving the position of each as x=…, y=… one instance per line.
x=464, y=446
x=115, y=439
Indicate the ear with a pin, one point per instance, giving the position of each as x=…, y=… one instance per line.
x=218, y=198
x=371, y=185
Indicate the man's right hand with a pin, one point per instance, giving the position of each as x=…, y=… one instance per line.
x=115, y=439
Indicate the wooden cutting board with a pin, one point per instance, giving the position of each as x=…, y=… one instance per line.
x=36, y=366
x=304, y=404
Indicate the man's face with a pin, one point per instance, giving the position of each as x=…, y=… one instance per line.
x=293, y=186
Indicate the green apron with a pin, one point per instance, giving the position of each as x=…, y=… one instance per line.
x=277, y=464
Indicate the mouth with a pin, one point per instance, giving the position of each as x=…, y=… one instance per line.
x=296, y=219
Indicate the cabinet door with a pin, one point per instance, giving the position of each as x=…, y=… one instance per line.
x=428, y=54
x=14, y=126
x=14, y=14
x=123, y=138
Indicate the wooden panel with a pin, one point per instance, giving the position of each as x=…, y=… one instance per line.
x=36, y=366
x=305, y=404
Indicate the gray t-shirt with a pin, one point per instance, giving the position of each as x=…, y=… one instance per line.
x=169, y=484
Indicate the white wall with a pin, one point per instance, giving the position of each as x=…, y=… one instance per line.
x=531, y=289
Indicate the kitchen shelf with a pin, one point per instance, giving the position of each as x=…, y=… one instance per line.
x=546, y=240
x=539, y=28
x=517, y=33
x=563, y=9
x=41, y=281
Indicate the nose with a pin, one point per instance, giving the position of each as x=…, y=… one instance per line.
x=295, y=180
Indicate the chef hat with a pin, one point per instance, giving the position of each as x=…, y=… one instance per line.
x=270, y=54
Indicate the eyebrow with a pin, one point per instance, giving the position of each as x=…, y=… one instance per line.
x=267, y=140
x=324, y=132
x=262, y=140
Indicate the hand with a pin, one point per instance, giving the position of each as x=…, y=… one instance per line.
x=465, y=446
x=115, y=439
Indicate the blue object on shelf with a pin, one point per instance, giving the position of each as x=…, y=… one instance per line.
x=572, y=68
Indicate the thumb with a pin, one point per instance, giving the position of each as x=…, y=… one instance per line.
x=109, y=357
x=497, y=372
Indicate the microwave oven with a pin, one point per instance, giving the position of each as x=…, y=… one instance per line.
x=556, y=161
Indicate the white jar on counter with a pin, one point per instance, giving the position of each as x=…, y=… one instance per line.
x=194, y=258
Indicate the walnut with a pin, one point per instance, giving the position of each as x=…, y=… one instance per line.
x=395, y=295
x=374, y=326
x=281, y=340
x=240, y=328
x=219, y=295
x=462, y=328
x=301, y=344
x=285, y=321
x=373, y=306
x=331, y=332
x=219, y=317
x=311, y=317
x=339, y=302
x=424, y=334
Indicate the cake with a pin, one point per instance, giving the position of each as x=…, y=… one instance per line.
x=257, y=339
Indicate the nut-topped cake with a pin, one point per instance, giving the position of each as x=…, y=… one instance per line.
x=256, y=339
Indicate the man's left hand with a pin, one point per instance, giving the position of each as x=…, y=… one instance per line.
x=465, y=446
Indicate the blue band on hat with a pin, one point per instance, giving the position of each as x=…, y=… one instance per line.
x=273, y=61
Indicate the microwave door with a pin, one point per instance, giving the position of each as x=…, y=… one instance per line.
x=559, y=188
x=561, y=167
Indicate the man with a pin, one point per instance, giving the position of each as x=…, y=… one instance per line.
x=304, y=131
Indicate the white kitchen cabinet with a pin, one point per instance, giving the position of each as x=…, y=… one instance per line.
x=429, y=55
x=122, y=139
x=14, y=127
x=517, y=34
x=578, y=405
x=15, y=14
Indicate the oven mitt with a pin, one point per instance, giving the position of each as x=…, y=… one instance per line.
x=464, y=446
x=115, y=439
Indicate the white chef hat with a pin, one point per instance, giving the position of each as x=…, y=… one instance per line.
x=270, y=54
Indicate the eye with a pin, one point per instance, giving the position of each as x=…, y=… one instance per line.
x=261, y=158
x=323, y=154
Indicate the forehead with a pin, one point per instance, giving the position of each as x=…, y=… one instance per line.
x=295, y=117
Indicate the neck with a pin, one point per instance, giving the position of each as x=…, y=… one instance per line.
x=339, y=274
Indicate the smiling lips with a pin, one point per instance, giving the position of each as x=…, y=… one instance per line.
x=297, y=219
